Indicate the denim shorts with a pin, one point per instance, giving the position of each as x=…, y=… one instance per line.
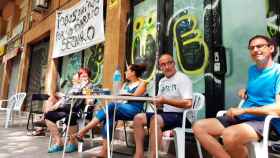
x=171, y=120
x=256, y=125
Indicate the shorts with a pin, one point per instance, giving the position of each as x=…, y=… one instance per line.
x=256, y=125
x=171, y=120
x=58, y=114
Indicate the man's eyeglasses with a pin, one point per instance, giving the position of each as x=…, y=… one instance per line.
x=166, y=64
x=259, y=46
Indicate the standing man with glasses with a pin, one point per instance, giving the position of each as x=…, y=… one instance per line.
x=240, y=126
x=175, y=94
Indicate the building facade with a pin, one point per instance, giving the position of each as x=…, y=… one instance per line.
x=27, y=33
x=208, y=39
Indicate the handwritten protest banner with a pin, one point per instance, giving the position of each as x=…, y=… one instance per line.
x=78, y=27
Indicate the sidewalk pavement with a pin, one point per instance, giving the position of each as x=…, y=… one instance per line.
x=14, y=143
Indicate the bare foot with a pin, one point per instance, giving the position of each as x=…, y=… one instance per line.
x=99, y=155
x=102, y=154
x=99, y=152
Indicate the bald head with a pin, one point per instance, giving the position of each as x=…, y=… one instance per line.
x=167, y=65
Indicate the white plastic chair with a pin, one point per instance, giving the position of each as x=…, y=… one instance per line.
x=190, y=114
x=257, y=149
x=260, y=149
x=15, y=103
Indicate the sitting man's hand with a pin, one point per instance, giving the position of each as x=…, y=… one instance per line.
x=159, y=101
x=232, y=112
x=242, y=93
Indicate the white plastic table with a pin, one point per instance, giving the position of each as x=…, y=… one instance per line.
x=106, y=98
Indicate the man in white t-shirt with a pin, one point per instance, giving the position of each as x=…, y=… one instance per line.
x=175, y=95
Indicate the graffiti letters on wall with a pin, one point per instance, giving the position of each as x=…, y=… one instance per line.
x=185, y=30
x=273, y=18
x=94, y=61
x=70, y=65
x=112, y=3
x=3, y=42
x=144, y=43
x=191, y=49
x=79, y=27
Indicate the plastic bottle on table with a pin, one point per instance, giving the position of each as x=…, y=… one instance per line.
x=117, y=81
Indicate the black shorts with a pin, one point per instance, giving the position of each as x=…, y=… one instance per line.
x=171, y=120
x=58, y=114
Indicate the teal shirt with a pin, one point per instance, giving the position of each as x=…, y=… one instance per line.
x=262, y=88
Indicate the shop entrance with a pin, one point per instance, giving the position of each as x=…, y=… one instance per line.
x=38, y=67
x=14, y=75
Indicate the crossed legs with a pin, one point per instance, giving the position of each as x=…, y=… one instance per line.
x=92, y=124
x=56, y=135
x=235, y=138
x=123, y=112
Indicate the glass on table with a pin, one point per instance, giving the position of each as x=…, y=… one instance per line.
x=87, y=91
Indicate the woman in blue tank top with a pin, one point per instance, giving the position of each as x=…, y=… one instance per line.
x=133, y=86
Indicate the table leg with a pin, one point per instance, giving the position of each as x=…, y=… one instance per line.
x=67, y=128
x=156, y=132
x=113, y=127
x=107, y=126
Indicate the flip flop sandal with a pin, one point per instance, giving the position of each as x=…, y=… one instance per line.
x=55, y=148
x=71, y=148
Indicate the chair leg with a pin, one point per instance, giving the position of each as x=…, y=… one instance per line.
x=179, y=141
x=199, y=148
x=30, y=121
x=8, y=117
x=125, y=134
x=80, y=146
x=12, y=117
x=257, y=150
x=91, y=136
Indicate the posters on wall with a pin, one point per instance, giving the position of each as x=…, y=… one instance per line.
x=143, y=46
x=78, y=27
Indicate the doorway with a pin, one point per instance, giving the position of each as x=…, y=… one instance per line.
x=38, y=67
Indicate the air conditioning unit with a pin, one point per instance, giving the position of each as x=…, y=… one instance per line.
x=40, y=5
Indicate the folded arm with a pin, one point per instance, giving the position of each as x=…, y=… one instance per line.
x=179, y=103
